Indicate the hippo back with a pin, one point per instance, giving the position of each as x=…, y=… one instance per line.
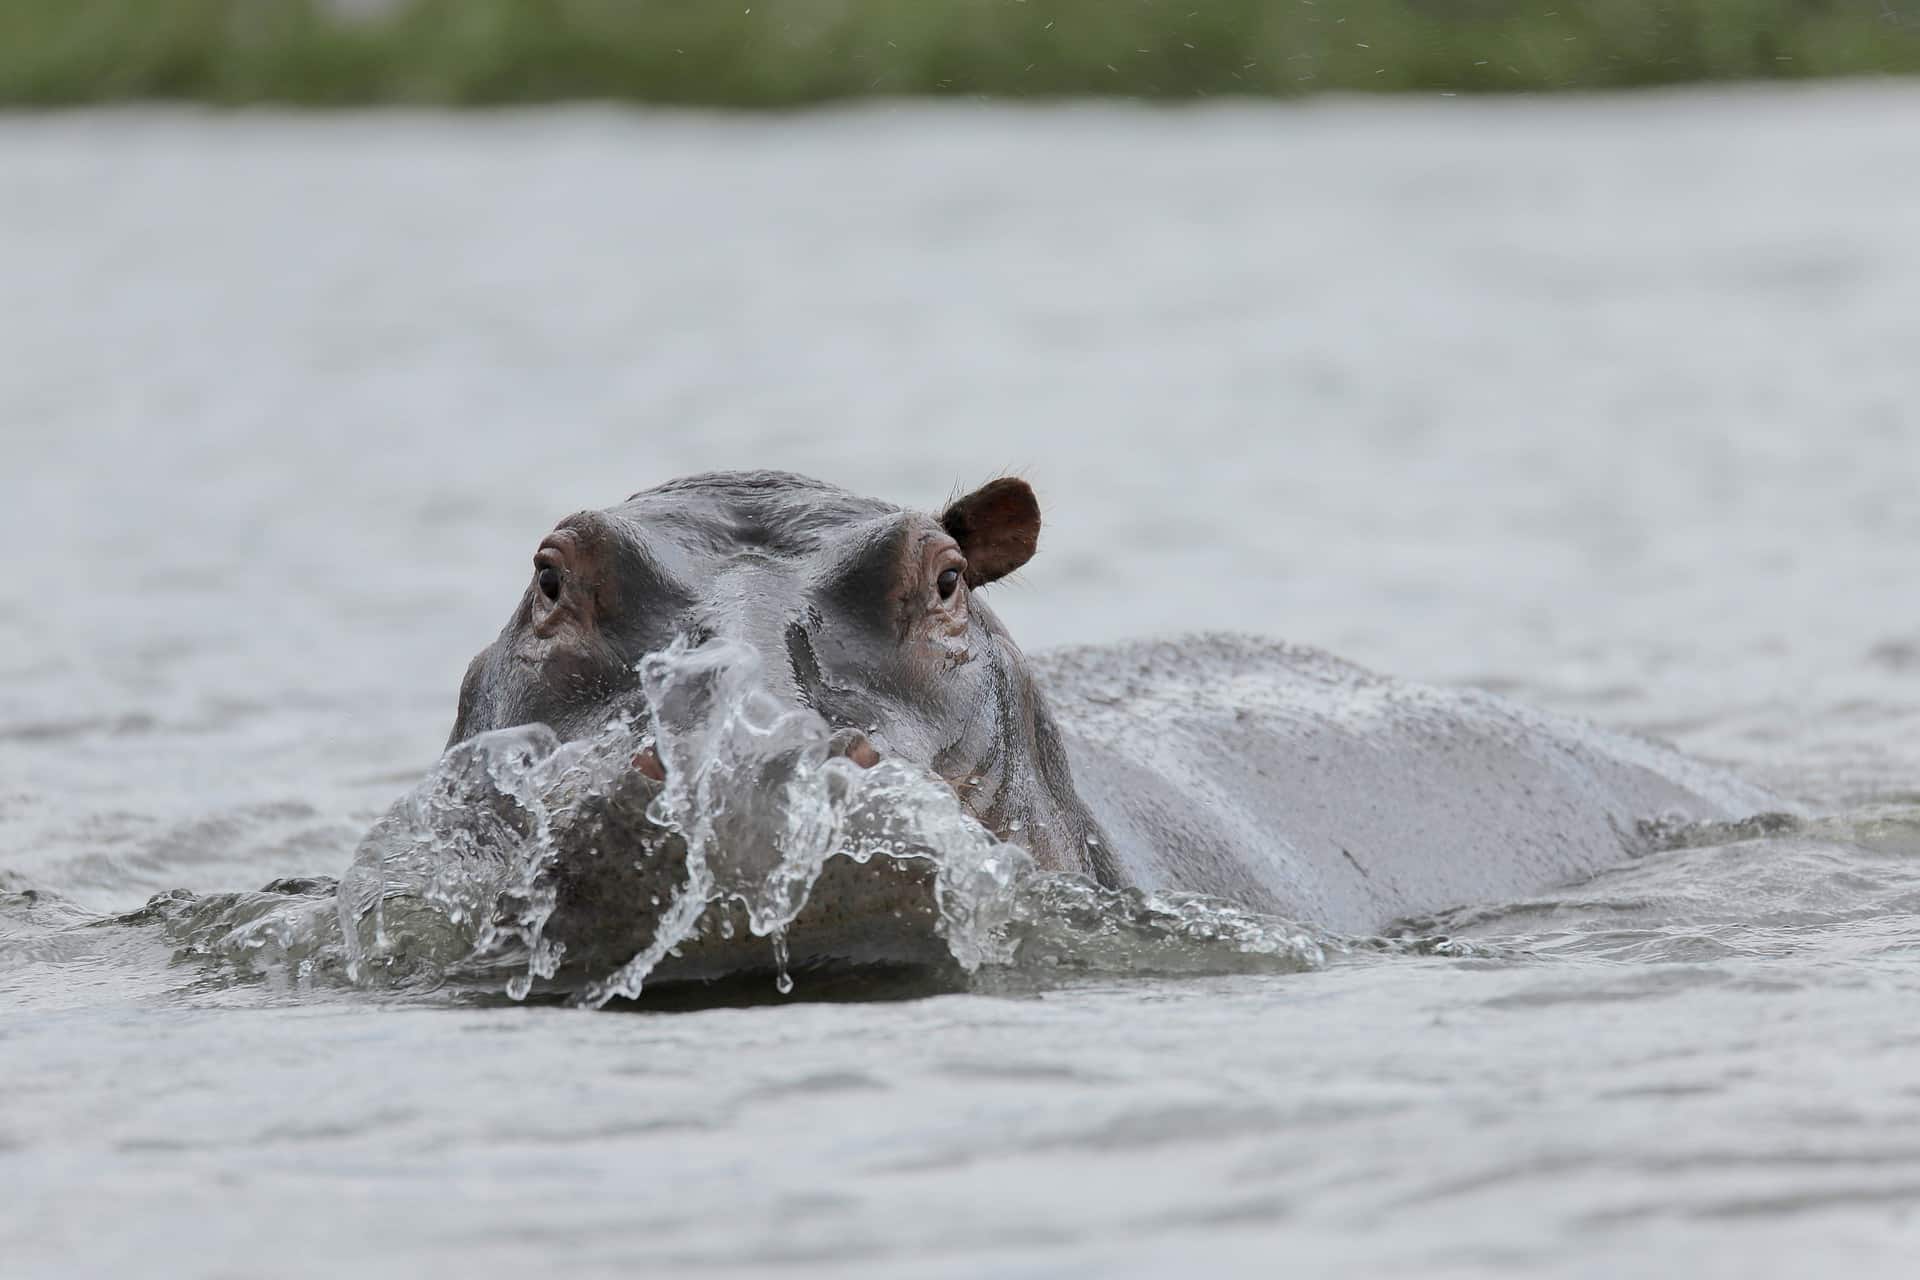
x=1289, y=781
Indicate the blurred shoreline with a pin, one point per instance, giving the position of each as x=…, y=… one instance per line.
x=780, y=53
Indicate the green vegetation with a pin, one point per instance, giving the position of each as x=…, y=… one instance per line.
x=766, y=53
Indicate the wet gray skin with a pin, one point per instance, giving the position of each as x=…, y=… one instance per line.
x=1273, y=776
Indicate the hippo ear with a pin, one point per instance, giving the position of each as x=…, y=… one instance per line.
x=997, y=527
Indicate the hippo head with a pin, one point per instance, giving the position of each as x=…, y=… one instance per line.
x=869, y=614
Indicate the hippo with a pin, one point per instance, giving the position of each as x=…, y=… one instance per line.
x=1274, y=777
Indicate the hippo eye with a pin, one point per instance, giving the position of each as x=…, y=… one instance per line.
x=948, y=580
x=549, y=580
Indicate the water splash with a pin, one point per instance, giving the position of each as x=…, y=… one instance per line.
x=761, y=806
x=287, y=933
x=456, y=868
x=1068, y=925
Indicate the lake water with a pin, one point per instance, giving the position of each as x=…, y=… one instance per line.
x=1606, y=404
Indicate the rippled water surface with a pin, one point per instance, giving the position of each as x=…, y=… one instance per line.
x=1604, y=404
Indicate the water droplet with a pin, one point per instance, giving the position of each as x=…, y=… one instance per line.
x=783, y=981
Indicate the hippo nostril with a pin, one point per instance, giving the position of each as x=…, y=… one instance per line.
x=855, y=746
x=647, y=761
